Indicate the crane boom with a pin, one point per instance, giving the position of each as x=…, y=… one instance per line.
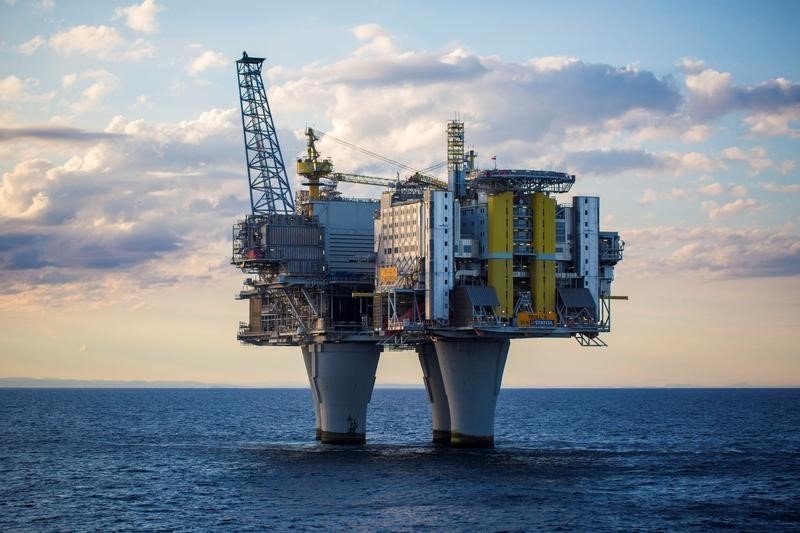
x=269, y=186
x=365, y=180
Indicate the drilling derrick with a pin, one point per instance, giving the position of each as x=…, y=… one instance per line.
x=453, y=269
x=269, y=186
x=306, y=267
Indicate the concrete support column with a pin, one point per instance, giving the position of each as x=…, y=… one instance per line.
x=432, y=377
x=342, y=376
x=472, y=371
x=307, y=351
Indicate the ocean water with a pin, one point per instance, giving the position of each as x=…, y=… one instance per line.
x=238, y=459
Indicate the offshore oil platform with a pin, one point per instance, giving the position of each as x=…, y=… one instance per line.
x=453, y=269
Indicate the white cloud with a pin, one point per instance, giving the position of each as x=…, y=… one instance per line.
x=206, y=60
x=45, y=5
x=775, y=123
x=68, y=80
x=14, y=89
x=552, y=62
x=717, y=189
x=23, y=193
x=376, y=40
x=739, y=206
x=710, y=251
x=650, y=195
x=787, y=166
x=780, y=187
x=210, y=123
x=103, y=42
x=756, y=158
x=691, y=65
x=713, y=189
x=29, y=47
x=140, y=17
x=710, y=83
x=101, y=84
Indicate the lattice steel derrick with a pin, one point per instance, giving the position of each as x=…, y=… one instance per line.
x=455, y=145
x=269, y=186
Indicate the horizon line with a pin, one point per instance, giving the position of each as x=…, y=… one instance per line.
x=71, y=383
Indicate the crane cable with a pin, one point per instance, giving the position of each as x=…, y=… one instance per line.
x=375, y=155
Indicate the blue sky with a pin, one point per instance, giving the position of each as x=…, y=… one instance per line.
x=122, y=169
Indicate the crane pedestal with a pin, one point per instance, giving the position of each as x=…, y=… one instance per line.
x=472, y=371
x=432, y=377
x=342, y=376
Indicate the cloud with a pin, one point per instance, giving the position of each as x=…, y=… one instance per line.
x=133, y=209
x=620, y=161
x=552, y=62
x=756, y=158
x=736, y=207
x=23, y=191
x=53, y=133
x=650, y=195
x=101, y=84
x=102, y=42
x=717, y=189
x=29, y=47
x=613, y=161
x=376, y=40
x=771, y=106
x=206, y=60
x=14, y=89
x=710, y=252
x=787, y=166
x=691, y=65
x=207, y=124
x=775, y=123
x=140, y=17
x=779, y=187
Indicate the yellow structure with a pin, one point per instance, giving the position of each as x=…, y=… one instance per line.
x=500, y=218
x=543, y=267
x=311, y=168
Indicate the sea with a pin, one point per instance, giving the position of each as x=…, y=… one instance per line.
x=246, y=459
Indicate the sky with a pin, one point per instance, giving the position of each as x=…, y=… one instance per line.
x=123, y=170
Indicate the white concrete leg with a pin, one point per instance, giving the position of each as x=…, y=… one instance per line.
x=307, y=360
x=472, y=371
x=343, y=375
x=432, y=377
